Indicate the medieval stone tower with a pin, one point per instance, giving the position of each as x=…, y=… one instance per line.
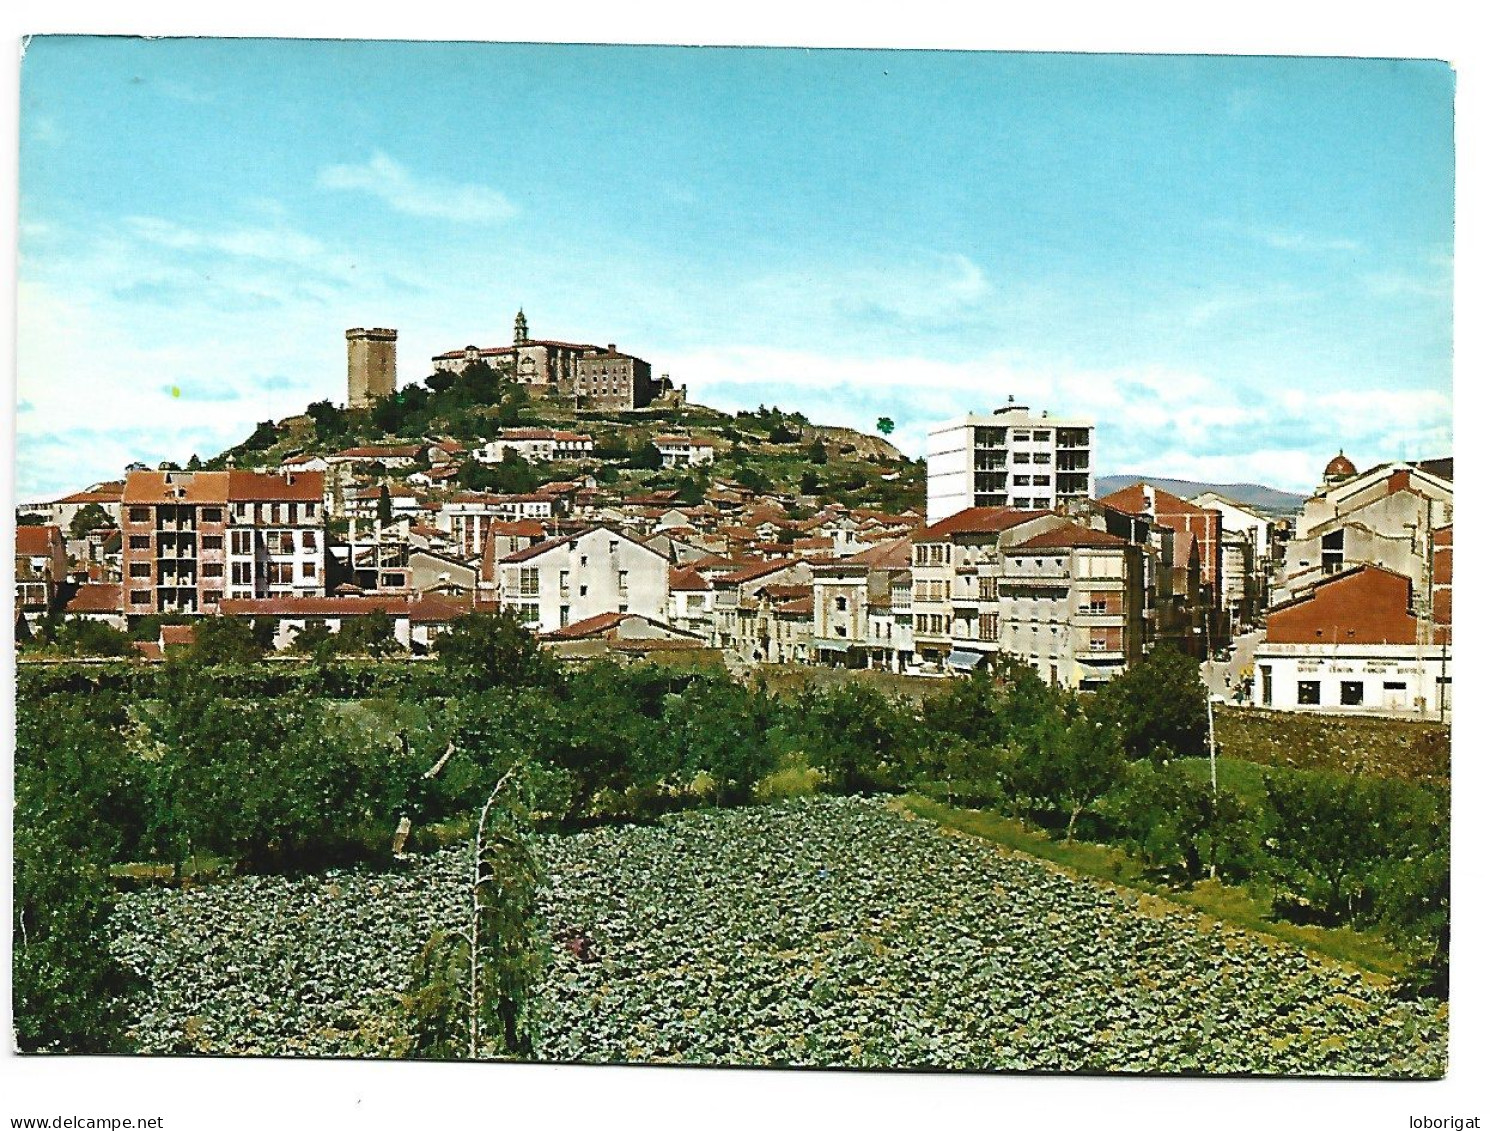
x=372, y=365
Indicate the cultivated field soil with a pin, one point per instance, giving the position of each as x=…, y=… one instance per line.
x=819, y=932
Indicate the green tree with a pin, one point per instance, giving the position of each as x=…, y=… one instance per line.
x=440, y=381
x=810, y=484
x=495, y=649
x=1172, y=821
x=385, y=506
x=818, y=452
x=885, y=425
x=221, y=641
x=646, y=457
x=67, y=990
x=388, y=413
x=329, y=421
x=90, y=517
x=315, y=639
x=1158, y=702
x=369, y=635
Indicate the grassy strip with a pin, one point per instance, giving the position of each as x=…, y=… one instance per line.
x=1232, y=905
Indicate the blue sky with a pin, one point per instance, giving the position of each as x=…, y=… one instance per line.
x=1235, y=265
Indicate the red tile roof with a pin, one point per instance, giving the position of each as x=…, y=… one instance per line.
x=177, y=635
x=786, y=592
x=502, y=351
x=1131, y=500
x=151, y=487
x=751, y=572
x=602, y=622
x=383, y=451
x=685, y=580
x=893, y=553
x=1069, y=536
x=978, y=520
x=314, y=606
x=111, y=492
x=97, y=598
x=37, y=541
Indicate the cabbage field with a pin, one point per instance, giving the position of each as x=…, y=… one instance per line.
x=822, y=932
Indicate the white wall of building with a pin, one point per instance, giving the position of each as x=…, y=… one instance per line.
x=1388, y=678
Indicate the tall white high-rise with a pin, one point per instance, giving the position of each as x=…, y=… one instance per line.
x=1008, y=458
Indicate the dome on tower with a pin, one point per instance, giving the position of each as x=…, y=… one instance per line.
x=1339, y=468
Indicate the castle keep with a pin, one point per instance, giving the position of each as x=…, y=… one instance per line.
x=372, y=365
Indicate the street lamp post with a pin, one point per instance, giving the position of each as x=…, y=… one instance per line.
x=1210, y=707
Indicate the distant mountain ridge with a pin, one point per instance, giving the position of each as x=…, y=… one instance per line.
x=1268, y=500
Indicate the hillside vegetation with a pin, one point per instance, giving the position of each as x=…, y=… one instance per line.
x=765, y=449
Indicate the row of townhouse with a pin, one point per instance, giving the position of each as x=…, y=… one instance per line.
x=1032, y=585
x=193, y=539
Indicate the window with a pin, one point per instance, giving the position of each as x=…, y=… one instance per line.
x=139, y=569
x=283, y=542
x=621, y=580
x=243, y=542
x=307, y=539
x=212, y=514
x=212, y=541
x=528, y=583
x=584, y=590
x=528, y=613
x=139, y=514
x=840, y=630
x=841, y=604
x=211, y=596
x=139, y=596
x=139, y=542
x=1394, y=685
x=212, y=569
x=1042, y=437
x=281, y=573
x=307, y=569
x=1352, y=693
x=563, y=581
x=310, y=510
x=563, y=616
x=1309, y=692
x=243, y=573
x=614, y=545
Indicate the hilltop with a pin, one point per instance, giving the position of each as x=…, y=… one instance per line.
x=766, y=449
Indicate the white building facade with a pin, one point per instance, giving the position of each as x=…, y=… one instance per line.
x=568, y=580
x=1008, y=458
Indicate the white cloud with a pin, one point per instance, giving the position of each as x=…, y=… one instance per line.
x=1150, y=420
x=402, y=191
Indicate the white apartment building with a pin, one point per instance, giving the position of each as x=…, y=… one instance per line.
x=684, y=451
x=567, y=580
x=1008, y=458
x=535, y=444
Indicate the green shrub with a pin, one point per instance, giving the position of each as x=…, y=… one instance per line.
x=796, y=778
